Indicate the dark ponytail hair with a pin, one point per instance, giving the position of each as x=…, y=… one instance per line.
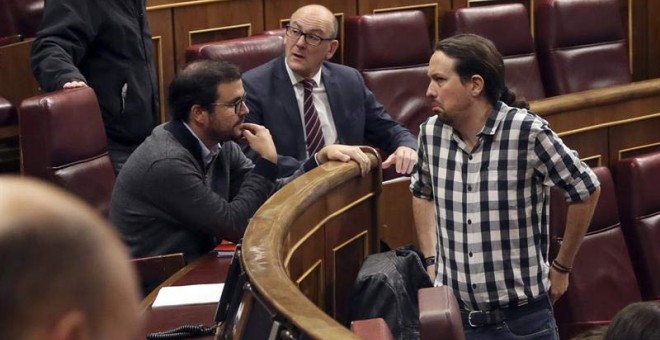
x=509, y=98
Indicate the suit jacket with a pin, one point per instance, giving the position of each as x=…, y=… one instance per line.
x=166, y=200
x=358, y=117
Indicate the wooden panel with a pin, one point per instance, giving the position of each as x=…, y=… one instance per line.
x=369, y=6
x=637, y=37
x=644, y=16
x=630, y=139
x=397, y=224
x=224, y=18
x=329, y=229
x=312, y=284
x=16, y=79
x=346, y=237
x=153, y=3
x=160, y=24
x=653, y=39
x=431, y=13
x=592, y=146
x=16, y=84
x=305, y=249
x=589, y=108
x=348, y=258
x=303, y=226
x=219, y=33
x=277, y=12
x=639, y=150
x=459, y=4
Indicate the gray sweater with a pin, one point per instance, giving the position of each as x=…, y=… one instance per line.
x=165, y=201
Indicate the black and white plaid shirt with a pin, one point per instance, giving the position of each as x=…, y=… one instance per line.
x=492, y=204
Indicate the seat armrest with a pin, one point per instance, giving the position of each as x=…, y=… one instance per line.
x=372, y=329
x=439, y=314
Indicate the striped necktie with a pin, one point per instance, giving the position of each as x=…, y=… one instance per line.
x=312, y=124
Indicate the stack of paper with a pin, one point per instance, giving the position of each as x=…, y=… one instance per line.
x=188, y=295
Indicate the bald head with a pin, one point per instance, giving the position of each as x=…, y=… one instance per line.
x=320, y=13
x=64, y=271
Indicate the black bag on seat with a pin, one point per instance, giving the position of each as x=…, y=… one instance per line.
x=386, y=287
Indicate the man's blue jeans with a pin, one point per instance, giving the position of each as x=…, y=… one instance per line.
x=538, y=324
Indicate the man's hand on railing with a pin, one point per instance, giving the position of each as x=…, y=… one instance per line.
x=345, y=153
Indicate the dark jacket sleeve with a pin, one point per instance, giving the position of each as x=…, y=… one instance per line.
x=182, y=192
x=67, y=29
x=264, y=168
x=256, y=95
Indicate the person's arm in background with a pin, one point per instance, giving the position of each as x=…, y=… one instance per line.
x=403, y=159
x=333, y=152
x=260, y=141
x=255, y=101
x=67, y=29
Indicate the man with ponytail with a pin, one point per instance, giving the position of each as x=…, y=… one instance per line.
x=481, y=196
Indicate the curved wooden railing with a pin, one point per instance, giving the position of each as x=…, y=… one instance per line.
x=597, y=98
x=319, y=226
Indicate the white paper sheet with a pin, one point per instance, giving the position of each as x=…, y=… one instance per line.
x=188, y=295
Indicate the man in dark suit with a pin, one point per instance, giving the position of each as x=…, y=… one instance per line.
x=307, y=102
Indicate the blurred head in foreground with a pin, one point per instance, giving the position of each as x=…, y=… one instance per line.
x=64, y=273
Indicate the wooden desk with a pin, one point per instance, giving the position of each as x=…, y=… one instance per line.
x=207, y=269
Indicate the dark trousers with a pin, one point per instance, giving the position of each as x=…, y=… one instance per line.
x=523, y=322
x=119, y=153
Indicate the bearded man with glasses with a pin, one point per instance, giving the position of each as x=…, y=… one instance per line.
x=189, y=186
x=307, y=102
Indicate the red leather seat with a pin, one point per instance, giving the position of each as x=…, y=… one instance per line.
x=392, y=51
x=7, y=26
x=581, y=45
x=603, y=280
x=246, y=53
x=7, y=113
x=507, y=26
x=638, y=185
x=10, y=39
x=20, y=17
x=29, y=14
x=63, y=141
x=372, y=329
x=439, y=314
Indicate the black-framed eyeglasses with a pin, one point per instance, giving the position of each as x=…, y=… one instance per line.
x=236, y=104
x=310, y=38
